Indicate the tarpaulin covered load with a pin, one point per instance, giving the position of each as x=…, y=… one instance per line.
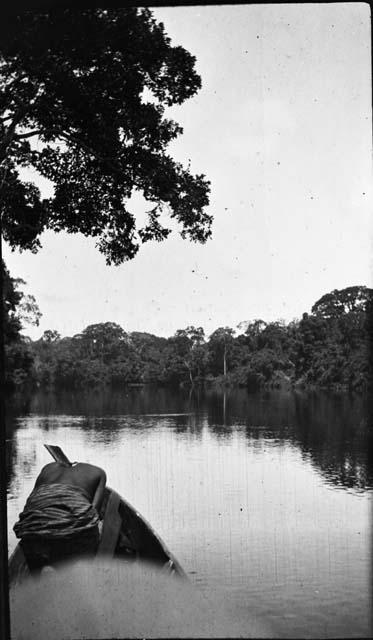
x=56, y=511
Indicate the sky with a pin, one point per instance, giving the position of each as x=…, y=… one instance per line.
x=282, y=128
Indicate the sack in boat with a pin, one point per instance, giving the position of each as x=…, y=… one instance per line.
x=56, y=511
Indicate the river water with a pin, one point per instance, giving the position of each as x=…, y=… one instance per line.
x=265, y=499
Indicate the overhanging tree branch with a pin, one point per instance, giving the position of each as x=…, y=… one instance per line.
x=22, y=136
x=99, y=142
x=10, y=132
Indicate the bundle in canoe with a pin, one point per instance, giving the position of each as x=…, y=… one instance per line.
x=125, y=536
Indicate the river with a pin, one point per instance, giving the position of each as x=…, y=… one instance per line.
x=265, y=499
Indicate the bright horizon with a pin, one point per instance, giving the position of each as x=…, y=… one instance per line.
x=282, y=127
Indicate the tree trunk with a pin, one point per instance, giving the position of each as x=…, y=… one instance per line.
x=190, y=372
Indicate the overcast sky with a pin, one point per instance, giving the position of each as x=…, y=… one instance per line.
x=282, y=128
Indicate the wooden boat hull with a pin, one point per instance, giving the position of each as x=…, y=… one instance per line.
x=125, y=536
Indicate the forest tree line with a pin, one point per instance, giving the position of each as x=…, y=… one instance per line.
x=329, y=348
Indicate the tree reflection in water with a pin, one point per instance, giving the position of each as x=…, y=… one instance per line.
x=330, y=429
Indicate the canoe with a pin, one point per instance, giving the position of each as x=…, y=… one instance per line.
x=125, y=536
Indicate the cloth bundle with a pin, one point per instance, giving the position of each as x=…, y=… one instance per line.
x=56, y=511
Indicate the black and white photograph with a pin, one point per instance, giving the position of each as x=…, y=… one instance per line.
x=187, y=311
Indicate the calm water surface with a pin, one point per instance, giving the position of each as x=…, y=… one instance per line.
x=264, y=499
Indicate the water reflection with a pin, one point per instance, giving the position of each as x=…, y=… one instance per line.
x=330, y=430
x=237, y=484
x=132, y=400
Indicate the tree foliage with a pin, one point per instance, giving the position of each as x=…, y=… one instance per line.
x=91, y=87
x=220, y=347
x=18, y=309
x=190, y=346
x=341, y=301
x=329, y=351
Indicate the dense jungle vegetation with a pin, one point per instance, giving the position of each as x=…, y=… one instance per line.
x=329, y=348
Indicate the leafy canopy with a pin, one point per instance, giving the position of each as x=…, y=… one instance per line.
x=340, y=301
x=18, y=308
x=73, y=107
